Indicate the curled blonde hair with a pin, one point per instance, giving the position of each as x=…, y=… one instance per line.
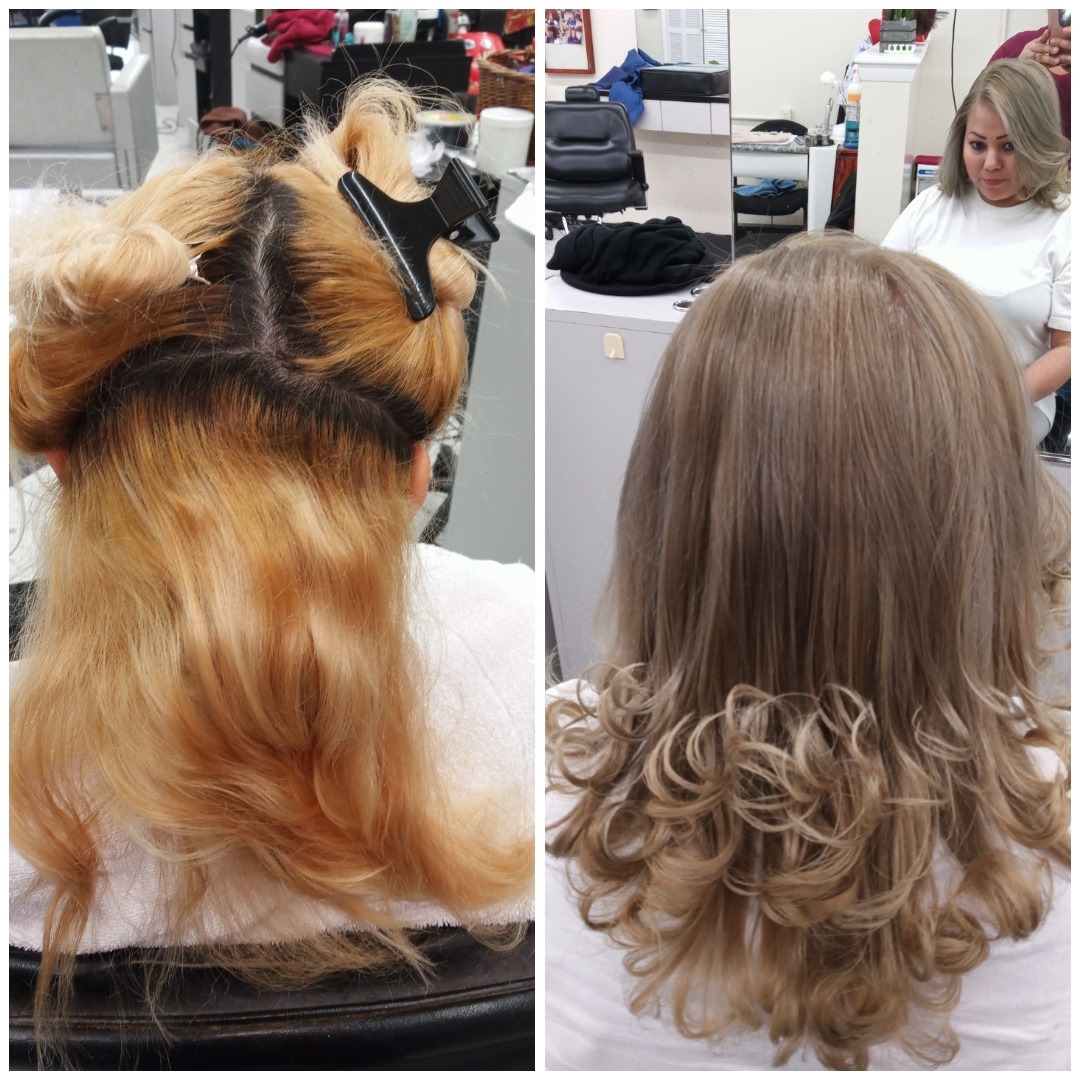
x=1023, y=94
x=835, y=554
x=218, y=666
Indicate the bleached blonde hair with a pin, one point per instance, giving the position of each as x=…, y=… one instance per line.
x=835, y=554
x=218, y=665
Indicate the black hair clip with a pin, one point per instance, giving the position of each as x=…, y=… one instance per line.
x=456, y=209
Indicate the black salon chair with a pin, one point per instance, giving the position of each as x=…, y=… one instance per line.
x=579, y=95
x=1059, y=441
x=475, y=1013
x=790, y=202
x=591, y=165
x=114, y=25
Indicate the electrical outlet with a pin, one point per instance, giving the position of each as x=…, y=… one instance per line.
x=785, y=114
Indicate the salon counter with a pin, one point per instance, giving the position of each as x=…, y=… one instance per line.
x=594, y=401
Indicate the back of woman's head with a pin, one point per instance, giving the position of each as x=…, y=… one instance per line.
x=834, y=554
x=834, y=445
x=218, y=664
x=290, y=297
x=1023, y=94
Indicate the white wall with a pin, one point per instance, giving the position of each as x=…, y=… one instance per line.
x=812, y=42
x=777, y=58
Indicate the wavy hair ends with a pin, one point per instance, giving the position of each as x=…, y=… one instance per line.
x=1023, y=94
x=836, y=554
x=218, y=667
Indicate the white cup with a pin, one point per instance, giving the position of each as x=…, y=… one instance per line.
x=504, y=139
x=368, y=33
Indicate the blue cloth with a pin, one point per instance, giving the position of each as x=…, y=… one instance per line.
x=765, y=189
x=623, y=83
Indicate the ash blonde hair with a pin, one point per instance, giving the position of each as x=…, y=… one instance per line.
x=1023, y=94
x=218, y=667
x=835, y=553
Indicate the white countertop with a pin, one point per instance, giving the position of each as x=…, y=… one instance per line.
x=558, y=296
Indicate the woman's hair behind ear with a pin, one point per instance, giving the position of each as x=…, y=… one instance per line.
x=218, y=667
x=835, y=555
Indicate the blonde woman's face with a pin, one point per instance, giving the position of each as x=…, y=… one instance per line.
x=989, y=158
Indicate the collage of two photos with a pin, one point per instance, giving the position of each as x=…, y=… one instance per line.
x=539, y=539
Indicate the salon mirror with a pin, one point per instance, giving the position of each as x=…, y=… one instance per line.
x=779, y=60
x=697, y=37
x=686, y=143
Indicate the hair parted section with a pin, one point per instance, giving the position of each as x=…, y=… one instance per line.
x=218, y=666
x=836, y=559
x=1023, y=94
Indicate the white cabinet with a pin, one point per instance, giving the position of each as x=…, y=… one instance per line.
x=686, y=117
x=593, y=405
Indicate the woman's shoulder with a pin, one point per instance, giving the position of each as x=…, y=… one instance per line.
x=933, y=200
x=930, y=209
x=1062, y=215
x=475, y=600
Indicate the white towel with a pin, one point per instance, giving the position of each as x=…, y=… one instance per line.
x=762, y=138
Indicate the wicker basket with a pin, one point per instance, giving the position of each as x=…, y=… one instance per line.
x=502, y=84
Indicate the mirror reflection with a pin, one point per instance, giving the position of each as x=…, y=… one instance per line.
x=892, y=97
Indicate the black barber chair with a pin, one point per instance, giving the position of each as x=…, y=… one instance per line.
x=577, y=95
x=114, y=25
x=591, y=165
x=476, y=1012
x=1059, y=441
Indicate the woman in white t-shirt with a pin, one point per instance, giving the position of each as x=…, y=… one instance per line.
x=1000, y=219
x=814, y=812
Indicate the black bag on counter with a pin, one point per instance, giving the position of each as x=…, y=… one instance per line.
x=685, y=81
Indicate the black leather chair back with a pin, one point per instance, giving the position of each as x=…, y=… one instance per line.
x=591, y=164
x=477, y=1012
x=791, y=127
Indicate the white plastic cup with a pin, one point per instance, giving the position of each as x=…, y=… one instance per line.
x=368, y=33
x=504, y=139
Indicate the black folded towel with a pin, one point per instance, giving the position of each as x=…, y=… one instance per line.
x=632, y=258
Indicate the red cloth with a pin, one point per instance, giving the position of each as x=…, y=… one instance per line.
x=1011, y=50
x=298, y=28
x=518, y=19
x=479, y=43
